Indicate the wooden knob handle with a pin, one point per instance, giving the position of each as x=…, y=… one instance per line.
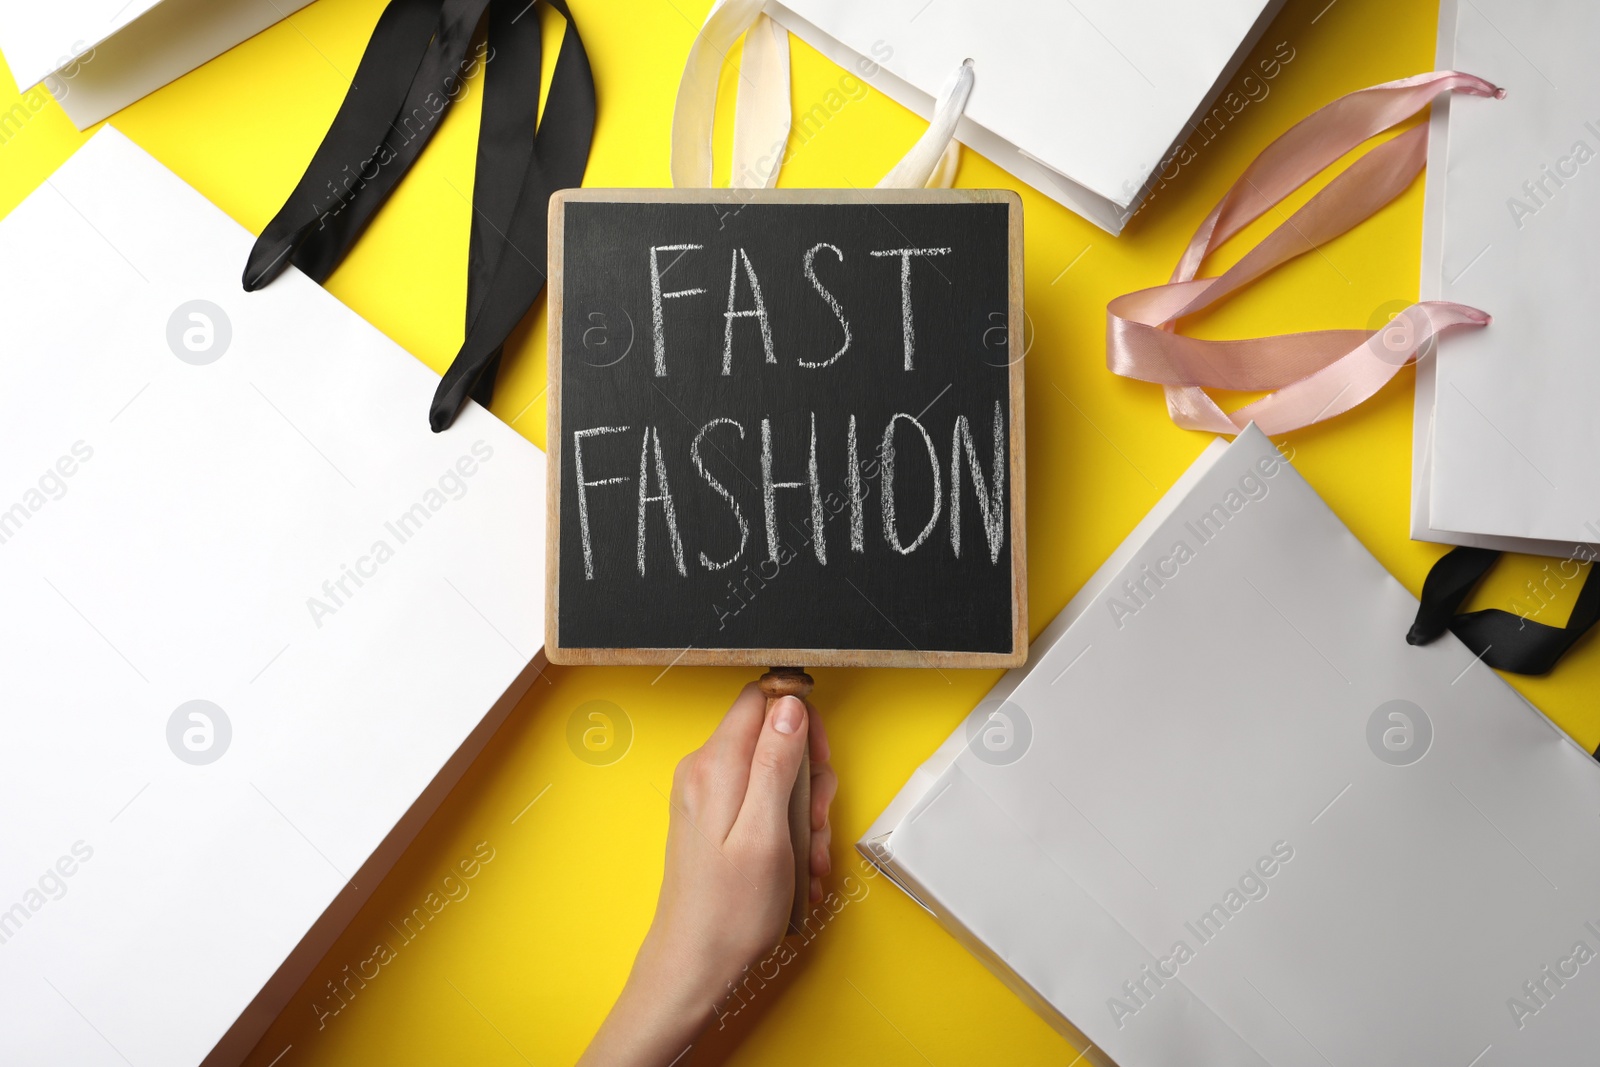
x=794, y=682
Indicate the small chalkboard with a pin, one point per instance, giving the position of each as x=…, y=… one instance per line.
x=786, y=427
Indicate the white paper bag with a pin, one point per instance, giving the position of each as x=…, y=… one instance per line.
x=1226, y=815
x=1091, y=102
x=1505, y=436
x=98, y=56
x=258, y=618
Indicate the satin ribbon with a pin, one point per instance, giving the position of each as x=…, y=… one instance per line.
x=413, y=69
x=1503, y=640
x=1309, y=376
x=762, y=112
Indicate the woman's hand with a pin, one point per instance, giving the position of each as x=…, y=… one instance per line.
x=728, y=884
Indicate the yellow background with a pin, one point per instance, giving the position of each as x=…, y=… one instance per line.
x=523, y=969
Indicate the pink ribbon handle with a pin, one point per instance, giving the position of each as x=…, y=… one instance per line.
x=1308, y=376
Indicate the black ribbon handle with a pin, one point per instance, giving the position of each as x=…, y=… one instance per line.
x=1503, y=640
x=412, y=71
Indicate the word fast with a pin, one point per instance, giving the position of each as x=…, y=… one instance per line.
x=654, y=489
x=740, y=264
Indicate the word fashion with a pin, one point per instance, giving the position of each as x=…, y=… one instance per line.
x=711, y=449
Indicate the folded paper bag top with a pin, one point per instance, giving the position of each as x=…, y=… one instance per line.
x=98, y=56
x=1504, y=433
x=258, y=619
x=1094, y=105
x=1300, y=841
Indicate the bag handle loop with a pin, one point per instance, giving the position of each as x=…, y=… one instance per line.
x=762, y=115
x=1504, y=640
x=414, y=67
x=1309, y=376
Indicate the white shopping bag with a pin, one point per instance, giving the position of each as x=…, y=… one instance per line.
x=1505, y=434
x=1095, y=103
x=98, y=56
x=258, y=618
x=1226, y=815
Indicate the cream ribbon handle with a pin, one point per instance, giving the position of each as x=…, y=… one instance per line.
x=762, y=115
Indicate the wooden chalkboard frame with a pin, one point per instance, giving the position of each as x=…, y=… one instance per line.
x=807, y=657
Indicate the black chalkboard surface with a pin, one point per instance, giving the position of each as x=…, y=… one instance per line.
x=786, y=427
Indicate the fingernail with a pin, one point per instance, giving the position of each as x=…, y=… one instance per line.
x=786, y=716
x=816, y=890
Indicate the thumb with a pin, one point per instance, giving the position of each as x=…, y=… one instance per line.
x=773, y=769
